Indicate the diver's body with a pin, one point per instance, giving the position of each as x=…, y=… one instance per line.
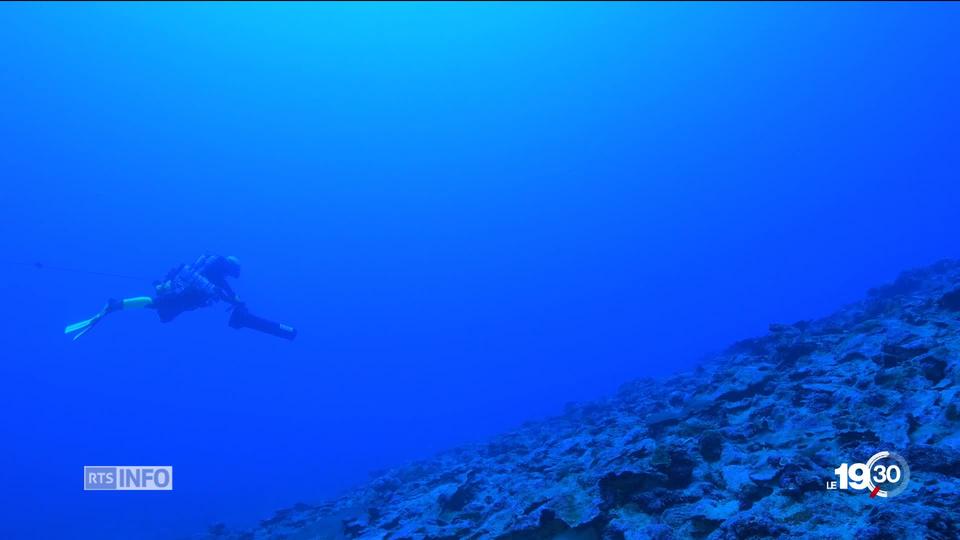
x=201, y=284
x=184, y=288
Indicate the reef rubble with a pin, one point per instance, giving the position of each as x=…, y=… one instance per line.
x=741, y=447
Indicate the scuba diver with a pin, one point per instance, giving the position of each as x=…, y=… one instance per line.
x=188, y=287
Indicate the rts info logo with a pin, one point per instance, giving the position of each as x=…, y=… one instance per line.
x=886, y=474
x=128, y=478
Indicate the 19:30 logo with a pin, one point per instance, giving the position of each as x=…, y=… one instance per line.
x=886, y=474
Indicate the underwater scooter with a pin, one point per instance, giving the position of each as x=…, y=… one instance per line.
x=242, y=318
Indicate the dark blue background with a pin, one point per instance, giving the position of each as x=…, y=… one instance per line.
x=475, y=214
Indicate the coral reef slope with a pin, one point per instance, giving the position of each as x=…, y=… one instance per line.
x=741, y=447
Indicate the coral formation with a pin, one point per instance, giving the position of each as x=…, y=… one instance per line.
x=741, y=447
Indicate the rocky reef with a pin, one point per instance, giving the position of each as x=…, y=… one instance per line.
x=742, y=447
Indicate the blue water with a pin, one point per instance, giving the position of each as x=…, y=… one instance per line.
x=474, y=214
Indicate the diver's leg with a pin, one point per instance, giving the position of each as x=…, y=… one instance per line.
x=113, y=304
x=136, y=302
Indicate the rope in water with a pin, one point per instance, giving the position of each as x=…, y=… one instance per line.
x=43, y=266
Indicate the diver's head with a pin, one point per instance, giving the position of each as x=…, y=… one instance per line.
x=232, y=266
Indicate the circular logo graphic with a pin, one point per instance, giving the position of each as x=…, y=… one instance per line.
x=887, y=474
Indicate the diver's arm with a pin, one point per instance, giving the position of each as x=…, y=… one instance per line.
x=227, y=294
x=216, y=288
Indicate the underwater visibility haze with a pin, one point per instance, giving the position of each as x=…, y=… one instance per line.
x=474, y=216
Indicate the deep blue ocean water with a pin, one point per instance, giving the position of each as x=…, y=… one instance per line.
x=473, y=213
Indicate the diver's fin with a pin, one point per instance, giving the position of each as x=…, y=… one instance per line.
x=83, y=327
x=78, y=326
x=82, y=332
